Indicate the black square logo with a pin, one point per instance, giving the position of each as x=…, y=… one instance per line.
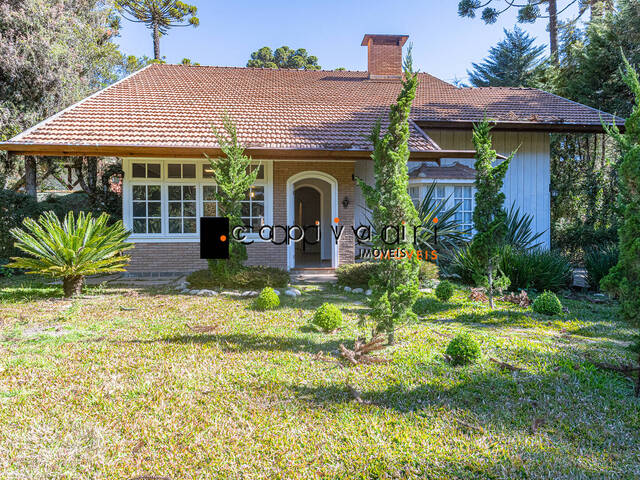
x=214, y=237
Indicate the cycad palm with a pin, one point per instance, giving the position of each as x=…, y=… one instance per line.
x=71, y=249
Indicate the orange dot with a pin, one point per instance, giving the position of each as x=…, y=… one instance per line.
x=336, y=220
x=317, y=222
x=223, y=238
x=435, y=220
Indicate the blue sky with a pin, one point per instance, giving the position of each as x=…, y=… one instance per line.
x=443, y=43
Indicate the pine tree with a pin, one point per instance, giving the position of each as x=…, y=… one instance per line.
x=510, y=63
x=489, y=216
x=624, y=279
x=234, y=178
x=395, y=284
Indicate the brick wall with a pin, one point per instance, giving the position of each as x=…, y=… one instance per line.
x=384, y=60
x=185, y=256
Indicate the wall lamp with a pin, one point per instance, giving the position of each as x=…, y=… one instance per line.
x=345, y=202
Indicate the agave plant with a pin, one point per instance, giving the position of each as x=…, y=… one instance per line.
x=71, y=249
x=520, y=235
x=435, y=217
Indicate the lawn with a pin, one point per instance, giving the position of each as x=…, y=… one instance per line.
x=154, y=384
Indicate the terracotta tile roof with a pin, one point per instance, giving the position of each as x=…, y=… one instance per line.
x=457, y=171
x=175, y=106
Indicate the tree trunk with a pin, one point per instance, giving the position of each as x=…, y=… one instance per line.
x=490, y=289
x=72, y=286
x=638, y=382
x=156, y=41
x=553, y=30
x=391, y=336
x=30, y=176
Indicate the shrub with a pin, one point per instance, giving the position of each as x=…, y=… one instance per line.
x=428, y=271
x=547, y=303
x=535, y=269
x=463, y=350
x=71, y=249
x=425, y=305
x=267, y=299
x=328, y=317
x=249, y=278
x=464, y=264
x=15, y=207
x=598, y=262
x=356, y=274
x=444, y=291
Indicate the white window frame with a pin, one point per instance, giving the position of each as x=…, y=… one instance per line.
x=449, y=188
x=198, y=181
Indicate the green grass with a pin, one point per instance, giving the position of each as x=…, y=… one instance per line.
x=116, y=385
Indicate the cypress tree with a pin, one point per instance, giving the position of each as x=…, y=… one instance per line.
x=623, y=280
x=234, y=178
x=489, y=216
x=395, y=284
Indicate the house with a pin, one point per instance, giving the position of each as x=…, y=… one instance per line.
x=307, y=133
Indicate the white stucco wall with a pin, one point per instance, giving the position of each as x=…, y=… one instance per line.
x=527, y=180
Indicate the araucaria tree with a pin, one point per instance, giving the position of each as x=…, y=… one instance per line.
x=395, y=284
x=159, y=16
x=283, y=57
x=624, y=279
x=234, y=178
x=489, y=216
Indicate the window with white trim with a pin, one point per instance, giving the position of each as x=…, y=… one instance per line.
x=146, y=170
x=167, y=198
x=147, y=209
x=253, y=208
x=416, y=198
x=182, y=208
x=464, y=213
x=451, y=193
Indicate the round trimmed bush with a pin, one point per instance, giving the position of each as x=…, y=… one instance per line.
x=425, y=305
x=267, y=299
x=463, y=350
x=547, y=303
x=328, y=317
x=444, y=291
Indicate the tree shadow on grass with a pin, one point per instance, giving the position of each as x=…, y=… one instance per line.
x=29, y=292
x=582, y=410
x=247, y=342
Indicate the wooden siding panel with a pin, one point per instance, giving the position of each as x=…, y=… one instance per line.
x=528, y=177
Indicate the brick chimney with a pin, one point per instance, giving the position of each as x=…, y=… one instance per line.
x=384, y=55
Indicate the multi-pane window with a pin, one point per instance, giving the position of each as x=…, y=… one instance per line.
x=168, y=197
x=464, y=213
x=439, y=194
x=414, y=193
x=253, y=208
x=181, y=170
x=145, y=170
x=449, y=194
x=147, y=209
x=209, y=202
x=182, y=208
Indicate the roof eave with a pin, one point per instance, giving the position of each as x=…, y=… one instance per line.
x=159, y=151
x=519, y=126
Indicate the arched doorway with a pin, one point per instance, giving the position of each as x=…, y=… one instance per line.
x=312, y=204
